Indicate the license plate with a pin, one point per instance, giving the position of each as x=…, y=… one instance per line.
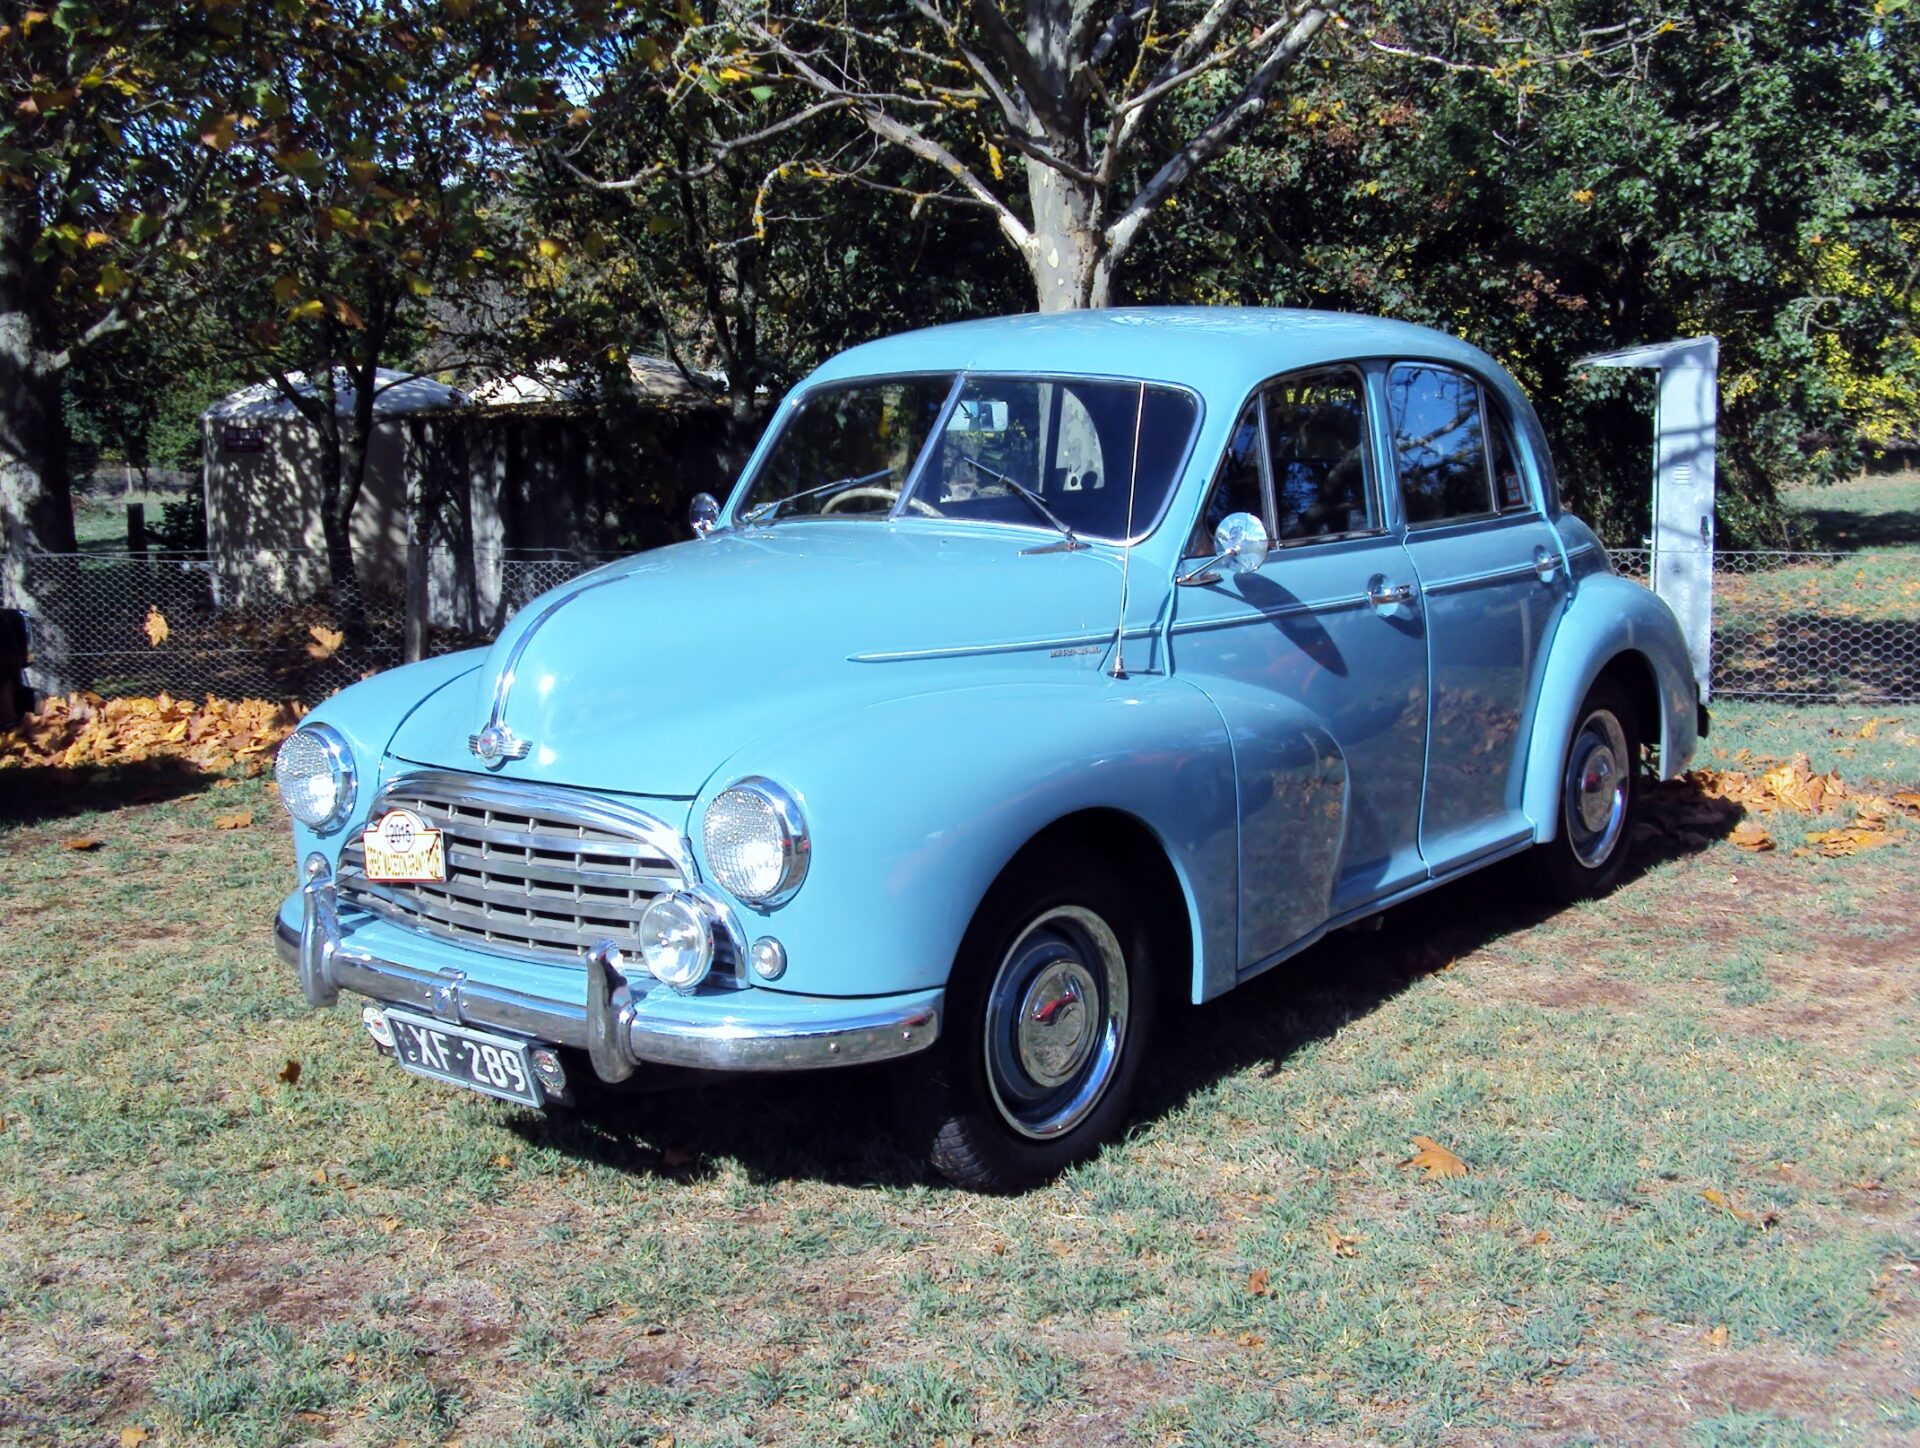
x=478, y=1060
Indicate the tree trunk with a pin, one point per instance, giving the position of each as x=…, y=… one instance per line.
x=1067, y=253
x=36, y=504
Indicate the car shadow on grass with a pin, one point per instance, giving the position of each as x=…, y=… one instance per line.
x=36, y=794
x=839, y=1127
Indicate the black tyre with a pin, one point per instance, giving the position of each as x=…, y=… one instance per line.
x=1049, y=1012
x=1599, y=799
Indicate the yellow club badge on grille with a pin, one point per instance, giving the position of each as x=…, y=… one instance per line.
x=401, y=846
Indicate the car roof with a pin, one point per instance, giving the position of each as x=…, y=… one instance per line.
x=1220, y=351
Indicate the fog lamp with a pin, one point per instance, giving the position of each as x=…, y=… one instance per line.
x=676, y=940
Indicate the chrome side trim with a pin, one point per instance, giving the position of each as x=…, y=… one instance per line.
x=618, y=1030
x=1268, y=615
x=1014, y=646
x=1491, y=575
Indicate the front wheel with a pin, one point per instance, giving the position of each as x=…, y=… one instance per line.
x=1048, y=1014
x=1599, y=793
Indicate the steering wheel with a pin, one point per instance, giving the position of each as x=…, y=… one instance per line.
x=919, y=505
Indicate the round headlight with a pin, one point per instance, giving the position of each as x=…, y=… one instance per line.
x=757, y=846
x=314, y=770
x=676, y=941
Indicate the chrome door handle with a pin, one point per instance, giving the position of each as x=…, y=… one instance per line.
x=1545, y=564
x=1382, y=594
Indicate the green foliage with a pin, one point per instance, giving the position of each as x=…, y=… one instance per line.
x=1546, y=212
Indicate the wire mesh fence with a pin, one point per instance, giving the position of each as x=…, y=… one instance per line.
x=1787, y=625
x=268, y=625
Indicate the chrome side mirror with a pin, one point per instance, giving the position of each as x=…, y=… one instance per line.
x=1240, y=545
x=704, y=513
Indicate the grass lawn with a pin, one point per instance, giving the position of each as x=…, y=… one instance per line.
x=100, y=517
x=200, y=1242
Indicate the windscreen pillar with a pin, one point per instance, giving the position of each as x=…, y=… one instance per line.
x=1684, y=420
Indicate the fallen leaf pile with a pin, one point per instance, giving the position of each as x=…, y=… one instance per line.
x=1708, y=799
x=85, y=729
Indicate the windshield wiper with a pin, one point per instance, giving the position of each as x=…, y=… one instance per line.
x=1072, y=543
x=766, y=510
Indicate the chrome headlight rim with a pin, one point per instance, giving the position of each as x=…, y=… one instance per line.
x=346, y=777
x=796, y=845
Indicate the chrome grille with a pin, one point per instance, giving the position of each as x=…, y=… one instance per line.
x=532, y=870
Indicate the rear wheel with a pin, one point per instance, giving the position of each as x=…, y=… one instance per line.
x=1599, y=794
x=1048, y=1014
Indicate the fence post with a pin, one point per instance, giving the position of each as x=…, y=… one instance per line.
x=413, y=640
x=136, y=527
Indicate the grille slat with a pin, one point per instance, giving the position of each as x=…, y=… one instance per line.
x=532, y=870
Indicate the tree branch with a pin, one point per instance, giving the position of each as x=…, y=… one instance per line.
x=890, y=128
x=1215, y=136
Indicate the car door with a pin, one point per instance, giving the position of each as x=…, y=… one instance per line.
x=1317, y=662
x=1494, y=582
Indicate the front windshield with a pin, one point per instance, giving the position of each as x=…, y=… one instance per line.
x=847, y=451
x=1094, y=457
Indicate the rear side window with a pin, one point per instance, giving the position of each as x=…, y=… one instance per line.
x=1509, y=483
x=1316, y=438
x=1439, y=440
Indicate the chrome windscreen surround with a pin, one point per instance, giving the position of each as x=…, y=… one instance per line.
x=533, y=871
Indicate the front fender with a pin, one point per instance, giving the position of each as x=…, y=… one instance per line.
x=1609, y=617
x=367, y=715
x=915, y=805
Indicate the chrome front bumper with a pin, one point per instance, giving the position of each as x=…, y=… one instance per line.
x=746, y=1030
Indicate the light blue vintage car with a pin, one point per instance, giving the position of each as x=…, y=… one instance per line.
x=1038, y=672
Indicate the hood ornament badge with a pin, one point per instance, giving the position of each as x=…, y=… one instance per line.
x=496, y=742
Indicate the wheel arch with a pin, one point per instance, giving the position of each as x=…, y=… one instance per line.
x=1614, y=629
x=1138, y=852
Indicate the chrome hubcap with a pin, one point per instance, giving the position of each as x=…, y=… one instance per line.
x=1056, y=1021
x=1596, y=788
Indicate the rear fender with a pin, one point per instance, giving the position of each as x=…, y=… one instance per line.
x=1609, y=618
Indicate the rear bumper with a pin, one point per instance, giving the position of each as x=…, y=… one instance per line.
x=744, y=1030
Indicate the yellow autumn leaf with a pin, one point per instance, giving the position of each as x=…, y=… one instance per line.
x=1751, y=835
x=219, y=135
x=97, y=238
x=548, y=248
x=239, y=821
x=326, y=641
x=994, y=160
x=732, y=73
x=156, y=627
x=1434, y=1159
x=309, y=309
